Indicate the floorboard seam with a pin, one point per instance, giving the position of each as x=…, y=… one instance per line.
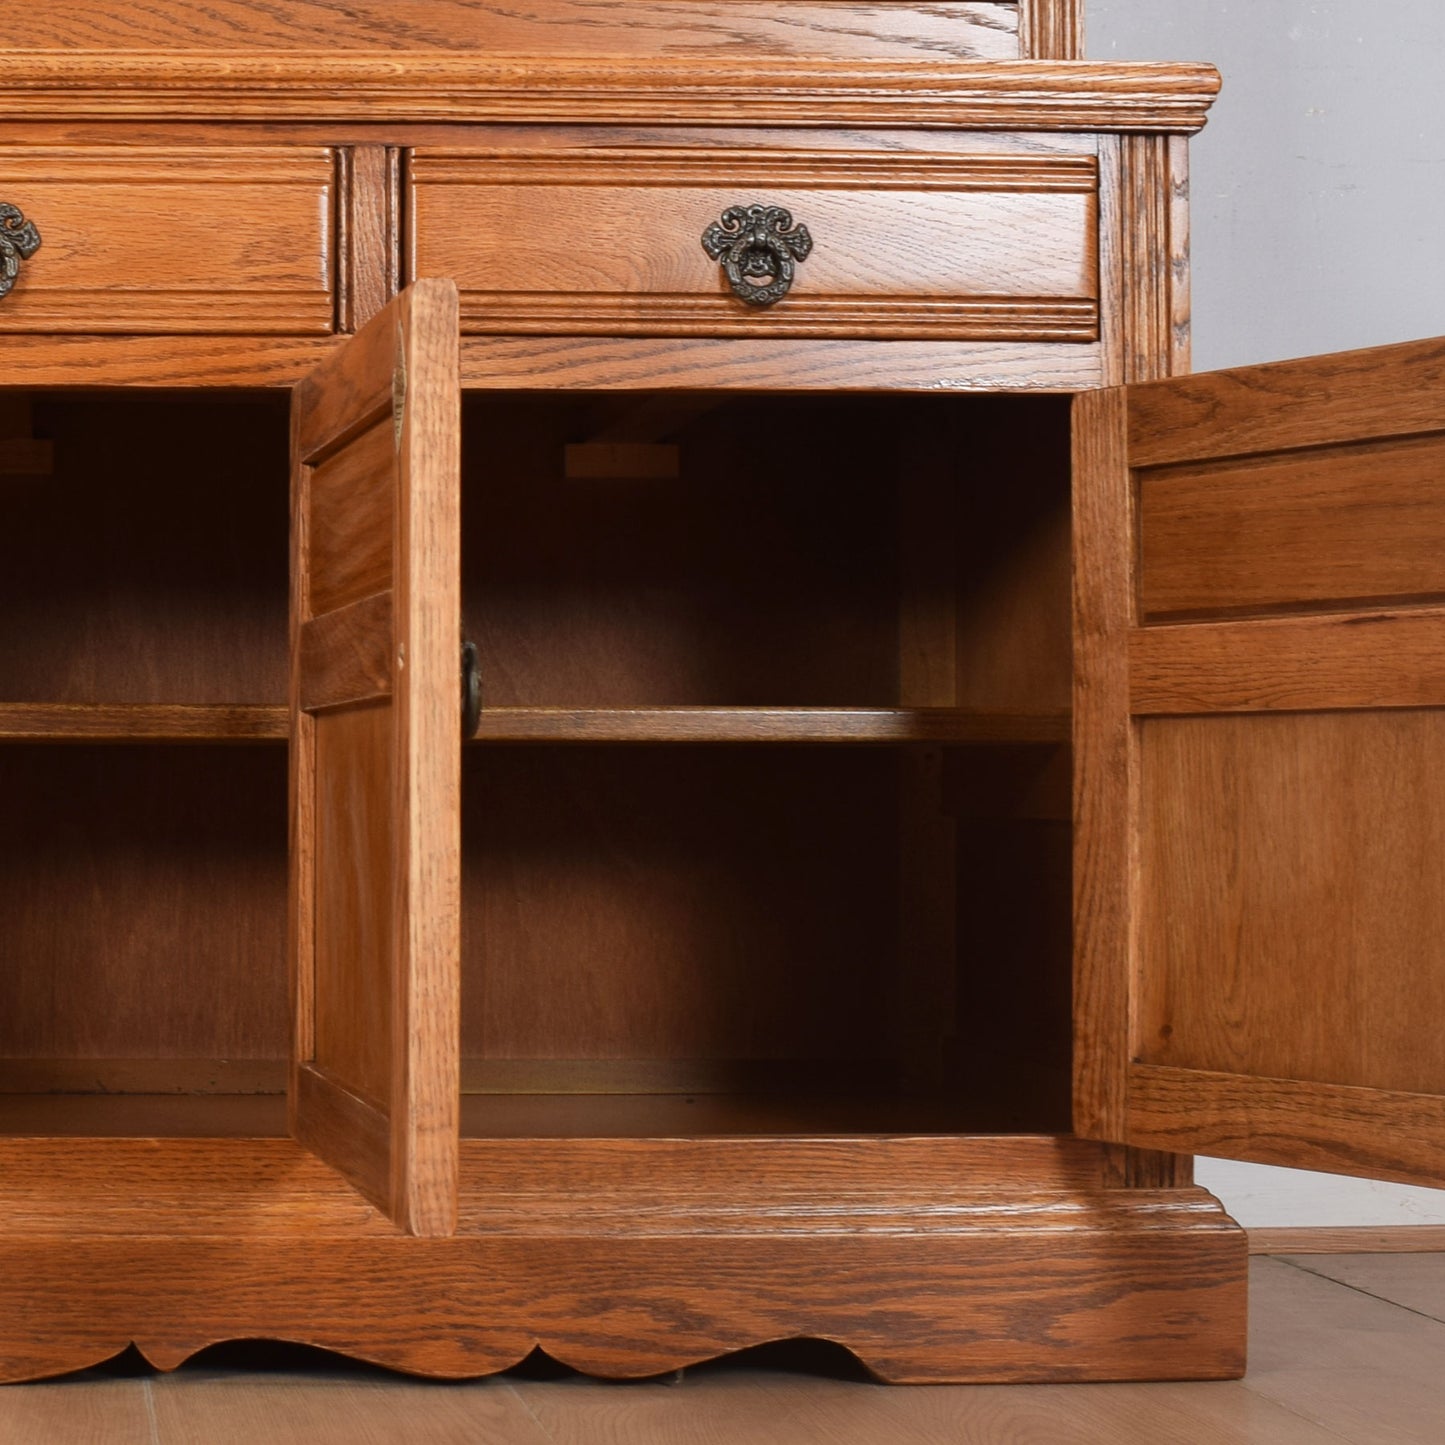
x=1361, y=1290
x=526, y=1404
x=150, y=1399
x=1300, y=1415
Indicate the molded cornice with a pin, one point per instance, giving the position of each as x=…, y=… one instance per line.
x=621, y=90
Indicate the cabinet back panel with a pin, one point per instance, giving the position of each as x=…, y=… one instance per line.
x=1259, y=959
x=764, y=574
x=143, y=903
x=966, y=29
x=679, y=904
x=151, y=566
x=811, y=552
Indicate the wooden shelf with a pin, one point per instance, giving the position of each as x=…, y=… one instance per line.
x=142, y=722
x=766, y=724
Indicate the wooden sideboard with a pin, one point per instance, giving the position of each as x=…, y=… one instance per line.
x=917, y=768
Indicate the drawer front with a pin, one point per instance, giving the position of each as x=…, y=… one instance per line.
x=995, y=246
x=172, y=240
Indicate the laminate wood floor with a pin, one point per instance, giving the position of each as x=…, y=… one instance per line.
x=1342, y=1348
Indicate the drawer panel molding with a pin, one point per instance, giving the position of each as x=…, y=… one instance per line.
x=173, y=240
x=593, y=242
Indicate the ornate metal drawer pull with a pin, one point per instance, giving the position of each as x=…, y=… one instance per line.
x=19, y=241
x=757, y=246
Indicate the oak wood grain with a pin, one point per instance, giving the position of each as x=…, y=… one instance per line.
x=346, y=654
x=735, y=364
x=1105, y=765
x=167, y=592
x=141, y=911
x=1349, y=660
x=1315, y=528
x=375, y=801
x=950, y=247
x=964, y=29
x=527, y=88
x=368, y=232
x=143, y=722
x=1300, y=1124
x=1051, y=29
x=786, y=725
x=1348, y=397
x=1288, y=912
x=1134, y=1283
x=238, y=239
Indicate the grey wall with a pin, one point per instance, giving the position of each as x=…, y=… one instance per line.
x=1319, y=182
x=1318, y=225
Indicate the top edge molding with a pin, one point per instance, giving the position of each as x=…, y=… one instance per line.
x=603, y=90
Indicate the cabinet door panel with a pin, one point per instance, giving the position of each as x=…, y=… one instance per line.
x=376, y=759
x=1260, y=784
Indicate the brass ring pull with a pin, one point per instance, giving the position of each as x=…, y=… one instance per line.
x=757, y=247
x=19, y=241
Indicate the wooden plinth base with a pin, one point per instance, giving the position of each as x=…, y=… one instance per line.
x=974, y=1259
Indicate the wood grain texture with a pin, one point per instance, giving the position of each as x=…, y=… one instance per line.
x=527, y=88
x=168, y=592
x=354, y=928
x=352, y=518
x=1280, y=956
x=1144, y=256
x=679, y=903
x=948, y=247
x=237, y=239
x=1346, y=398
x=735, y=364
x=1301, y=1125
x=141, y=906
x=140, y=1076
x=142, y=722
x=961, y=29
x=162, y=361
x=1354, y=660
x=1289, y=913
x=766, y=724
x=1051, y=29
x=1318, y=528
x=1105, y=766
x=184, y=1115
x=375, y=802
x=1130, y=1284
x=368, y=231
x=346, y=654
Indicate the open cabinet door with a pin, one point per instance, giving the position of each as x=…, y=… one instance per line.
x=376, y=759
x=1260, y=764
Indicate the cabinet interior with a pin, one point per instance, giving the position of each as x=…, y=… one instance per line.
x=765, y=830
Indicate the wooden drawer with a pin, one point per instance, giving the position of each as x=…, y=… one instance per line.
x=997, y=244
x=172, y=239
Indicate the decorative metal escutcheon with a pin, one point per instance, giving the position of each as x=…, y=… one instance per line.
x=757, y=247
x=19, y=241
